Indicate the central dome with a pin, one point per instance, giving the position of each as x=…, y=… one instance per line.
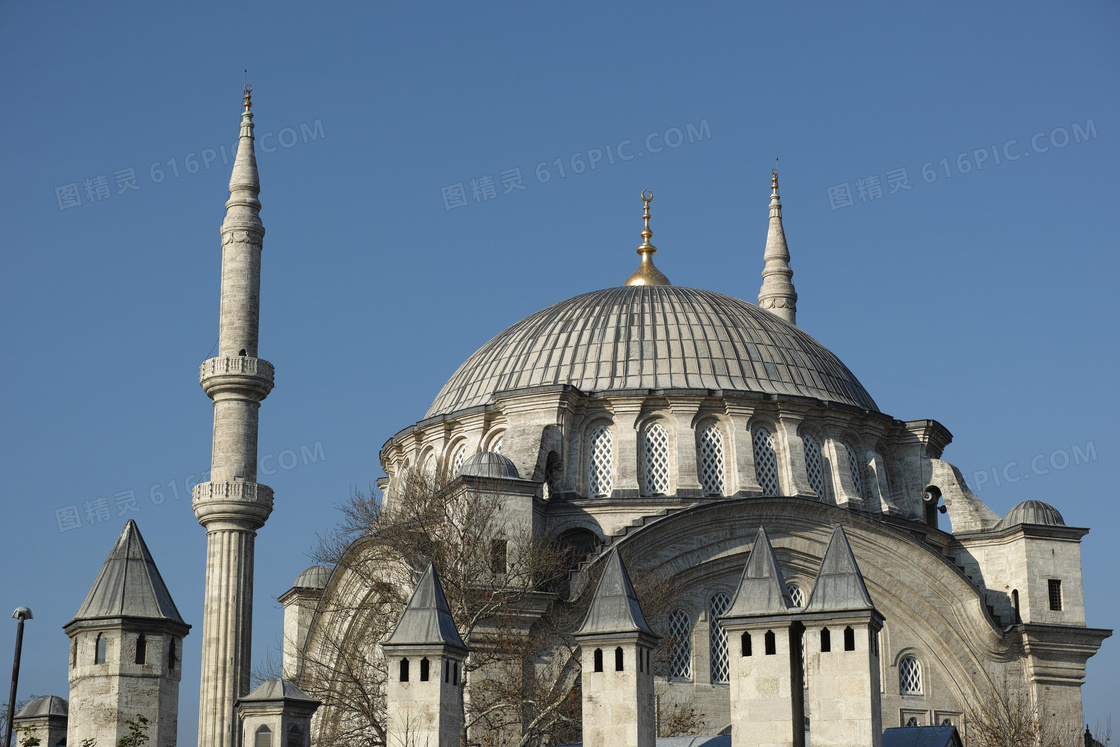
x=652, y=337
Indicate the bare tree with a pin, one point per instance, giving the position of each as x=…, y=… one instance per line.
x=1010, y=717
x=502, y=579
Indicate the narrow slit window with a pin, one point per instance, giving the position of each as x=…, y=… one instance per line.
x=826, y=640
x=619, y=659
x=598, y=660
x=99, y=649
x=141, y=649
x=499, y=556
x=849, y=639
x=771, y=643
x=745, y=643
x=425, y=669
x=404, y=670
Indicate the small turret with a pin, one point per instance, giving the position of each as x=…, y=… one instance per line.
x=616, y=646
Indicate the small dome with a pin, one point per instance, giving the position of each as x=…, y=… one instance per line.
x=315, y=577
x=44, y=705
x=489, y=464
x=1033, y=512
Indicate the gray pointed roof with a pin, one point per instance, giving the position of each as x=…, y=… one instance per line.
x=839, y=584
x=426, y=619
x=615, y=607
x=277, y=689
x=129, y=584
x=762, y=589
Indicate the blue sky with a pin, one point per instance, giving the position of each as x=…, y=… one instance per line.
x=977, y=288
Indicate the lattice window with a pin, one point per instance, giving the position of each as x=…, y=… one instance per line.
x=655, y=460
x=458, y=459
x=766, y=462
x=814, y=465
x=680, y=651
x=719, y=604
x=601, y=463
x=796, y=595
x=853, y=467
x=1054, y=586
x=711, y=460
x=910, y=676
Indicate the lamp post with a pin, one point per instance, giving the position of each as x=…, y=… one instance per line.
x=21, y=614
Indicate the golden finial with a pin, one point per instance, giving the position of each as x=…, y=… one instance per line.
x=647, y=274
x=248, y=95
x=774, y=176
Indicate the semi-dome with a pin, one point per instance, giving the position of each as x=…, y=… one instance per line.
x=315, y=577
x=489, y=464
x=653, y=337
x=1033, y=512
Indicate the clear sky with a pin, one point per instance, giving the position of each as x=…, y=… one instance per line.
x=949, y=186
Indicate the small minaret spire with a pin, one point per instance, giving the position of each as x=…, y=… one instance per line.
x=777, y=294
x=647, y=274
x=232, y=506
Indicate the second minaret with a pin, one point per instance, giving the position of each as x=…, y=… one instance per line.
x=232, y=505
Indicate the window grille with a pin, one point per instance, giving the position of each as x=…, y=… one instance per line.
x=711, y=460
x=814, y=465
x=1055, y=594
x=655, y=460
x=853, y=467
x=766, y=462
x=602, y=462
x=458, y=459
x=796, y=595
x=719, y=604
x=680, y=652
x=912, y=721
x=910, y=676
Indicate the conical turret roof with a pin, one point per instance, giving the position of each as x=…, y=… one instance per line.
x=426, y=619
x=615, y=607
x=839, y=584
x=129, y=584
x=762, y=589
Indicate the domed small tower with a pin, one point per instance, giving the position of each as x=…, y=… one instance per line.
x=126, y=650
x=44, y=718
x=300, y=603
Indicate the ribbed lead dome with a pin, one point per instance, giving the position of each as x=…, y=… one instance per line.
x=652, y=337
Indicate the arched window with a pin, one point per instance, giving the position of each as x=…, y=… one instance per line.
x=826, y=640
x=619, y=659
x=601, y=463
x=853, y=468
x=655, y=460
x=814, y=465
x=425, y=669
x=263, y=737
x=404, y=670
x=849, y=639
x=909, y=676
x=771, y=643
x=141, y=649
x=458, y=457
x=766, y=462
x=598, y=660
x=711, y=460
x=718, y=638
x=295, y=736
x=796, y=595
x=912, y=721
x=99, y=649
x=680, y=650
x=745, y=644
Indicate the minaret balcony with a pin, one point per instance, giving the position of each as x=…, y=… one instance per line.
x=235, y=501
x=237, y=372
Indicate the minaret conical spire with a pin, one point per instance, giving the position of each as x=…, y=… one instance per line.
x=232, y=505
x=777, y=294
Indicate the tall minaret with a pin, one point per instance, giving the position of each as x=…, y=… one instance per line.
x=777, y=294
x=232, y=506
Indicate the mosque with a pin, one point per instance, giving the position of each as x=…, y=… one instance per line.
x=822, y=595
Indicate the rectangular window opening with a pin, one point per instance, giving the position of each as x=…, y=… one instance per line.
x=1055, y=594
